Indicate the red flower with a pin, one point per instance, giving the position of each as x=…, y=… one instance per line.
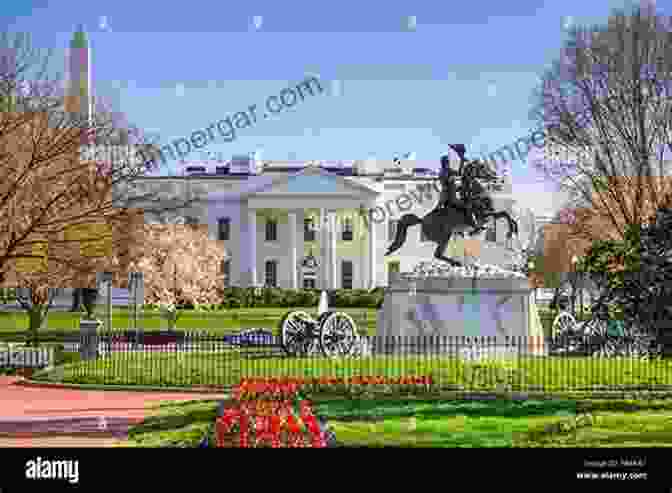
x=262, y=424
x=311, y=423
x=276, y=424
x=227, y=422
x=266, y=437
x=293, y=424
x=305, y=408
x=244, y=422
x=296, y=440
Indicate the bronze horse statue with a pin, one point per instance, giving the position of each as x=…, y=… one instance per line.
x=440, y=224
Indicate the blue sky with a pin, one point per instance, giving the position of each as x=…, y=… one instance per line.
x=464, y=74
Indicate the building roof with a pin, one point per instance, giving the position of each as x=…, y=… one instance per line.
x=259, y=183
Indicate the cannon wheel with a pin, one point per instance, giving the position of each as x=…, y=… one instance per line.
x=338, y=334
x=599, y=342
x=294, y=333
x=564, y=323
x=619, y=340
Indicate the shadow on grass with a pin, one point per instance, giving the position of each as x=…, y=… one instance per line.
x=371, y=410
x=172, y=417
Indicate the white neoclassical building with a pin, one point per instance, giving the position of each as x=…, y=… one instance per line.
x=324, y=225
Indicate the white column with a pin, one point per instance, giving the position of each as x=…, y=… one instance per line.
x=252, y=247
x=293, y=257
x=323, y=279
x=372, y=254
x=331, y=250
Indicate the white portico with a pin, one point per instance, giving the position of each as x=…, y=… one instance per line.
x=286, y=222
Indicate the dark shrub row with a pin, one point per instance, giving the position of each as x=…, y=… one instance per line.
x=289, y=298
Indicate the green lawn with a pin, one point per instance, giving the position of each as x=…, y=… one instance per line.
x=225, y=369
x=447, y=423
x=212, y=322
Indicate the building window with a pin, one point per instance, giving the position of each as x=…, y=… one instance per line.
x=271, y=273
x=346, y=274
x=491, y=232
x=226, y=272
x=393, y=267
x=392, y=229
x=309, y=283
x=223, y=228
x=271, y=230
x=309, y=229
x=347, y=229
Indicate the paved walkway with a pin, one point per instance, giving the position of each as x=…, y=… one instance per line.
x=43, y=417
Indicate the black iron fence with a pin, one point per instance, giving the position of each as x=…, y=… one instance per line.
x=181, y=359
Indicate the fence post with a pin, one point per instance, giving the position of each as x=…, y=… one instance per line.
x=88, y=345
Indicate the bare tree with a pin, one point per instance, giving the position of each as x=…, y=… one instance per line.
x=606, y=112
x=61, y=171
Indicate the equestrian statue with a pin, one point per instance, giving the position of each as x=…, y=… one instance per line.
x=467, y=213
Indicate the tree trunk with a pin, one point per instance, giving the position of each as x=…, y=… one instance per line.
x=35, y=319
x=76, y=299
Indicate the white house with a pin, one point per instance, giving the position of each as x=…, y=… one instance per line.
x=324, y=225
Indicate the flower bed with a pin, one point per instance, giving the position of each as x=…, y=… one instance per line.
x=345, y=386
x=274, y=412
x=269, y=413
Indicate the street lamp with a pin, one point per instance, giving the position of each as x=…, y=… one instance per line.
x=530, y=268
x=575, y=260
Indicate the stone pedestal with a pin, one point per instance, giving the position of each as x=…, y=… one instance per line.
x=449, y=308
x=88, y=339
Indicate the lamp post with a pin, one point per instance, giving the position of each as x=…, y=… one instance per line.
x=105, y=282
x=582, y=281
x=530, y=268
x=575, y=259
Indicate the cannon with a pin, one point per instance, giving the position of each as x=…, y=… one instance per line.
x=332, y=334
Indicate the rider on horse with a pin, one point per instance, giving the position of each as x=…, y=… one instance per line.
x=449, y=190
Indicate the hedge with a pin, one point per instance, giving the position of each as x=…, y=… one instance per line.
x=236, y=297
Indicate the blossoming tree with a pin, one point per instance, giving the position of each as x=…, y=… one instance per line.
x=181, y=265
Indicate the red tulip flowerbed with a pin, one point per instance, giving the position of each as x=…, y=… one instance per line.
x=336, y=386
x=274, y=412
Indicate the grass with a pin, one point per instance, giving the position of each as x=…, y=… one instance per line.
x=551, y=374
x=174, y=425
x=218, y=322
x=448, y=423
